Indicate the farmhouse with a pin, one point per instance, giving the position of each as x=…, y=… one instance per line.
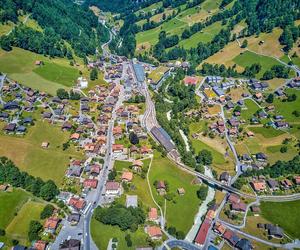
x=77, y=203
x=152, y=214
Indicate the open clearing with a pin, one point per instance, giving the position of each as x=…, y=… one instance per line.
x=28, y=155
x=157, y=74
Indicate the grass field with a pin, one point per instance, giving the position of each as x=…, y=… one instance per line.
x=103, y=233
x=18, y=228
x=19, y=64
x=58, y=73
x=266, y=132
x=287, y=108
x=205, y=36
x=180, y=213
x=11, y=203
x=156, y=74
x=248, y=58
x=248, y=113
x=28, y=155
x=285, y=214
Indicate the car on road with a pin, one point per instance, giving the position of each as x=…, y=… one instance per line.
x=79, y=233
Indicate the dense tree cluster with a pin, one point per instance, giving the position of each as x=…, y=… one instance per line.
x=47, y=211
x=278, y=71
x=136, y=99
x=60, y=20
x=35, y=227
x=9, y=173
x=119, y=215
x=280, y=168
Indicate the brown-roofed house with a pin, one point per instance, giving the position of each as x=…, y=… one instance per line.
x=40, y=245
x=90, y=183
x=127, y=176
x=152, y=215
x=154, y=232
x=51, y=224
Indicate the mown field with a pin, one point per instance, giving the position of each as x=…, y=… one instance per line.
x=187, y=205
x=17, y=209
x=20, y=65
x=285, y=214
x=28, y=155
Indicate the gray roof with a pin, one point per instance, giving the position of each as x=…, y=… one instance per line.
x=139, y=72
x=163, y=138
x=131, y=201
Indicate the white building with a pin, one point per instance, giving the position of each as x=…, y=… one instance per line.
x=82, y=82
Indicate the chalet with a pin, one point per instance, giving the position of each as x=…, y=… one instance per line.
x=131, y=201
x=74, y=171
x=240, y=207
x=190, y=80
x=66, y=126
x=137, y=165
x=262, y=114
x=297, y=180
x=112, y=188
x=258, y=186
x=231, y=237
x=245, y=158
x=70, y=244
x=161, y=187
x=273, y=184
x=229, y=105
x=180, y=191
x=51, y=224
x=75, y=136
x=286, y=184
x=9, y=128
x=244, y=244
x=11, y=105
x=202, y=233
x=279, y=92
x=154, y=232
x=127, y=176
x=274, y=231
x=255, y=209
x=153, y=215
x=261, y=157
x=90, y=183
x=77, y=203
x=4, y=116
x=40, y=245
x=219, y=228
x=73, y=218
x=233, y=122
x=233, y=198
x=21, y=129
x=117, y=132
x=47, y=115
x=258, y=96
x=117, y=148
x=224, y=177
x=241, y=102
x=27, y=120
x=278, y=117
x=85, y=108
x=250, y=134
x=227, y=85
x=95, y=169
x=281, y=124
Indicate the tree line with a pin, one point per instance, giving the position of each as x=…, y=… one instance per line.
x=11, y=174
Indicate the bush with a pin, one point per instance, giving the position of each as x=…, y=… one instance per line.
x=47, y=211
x=2, y=232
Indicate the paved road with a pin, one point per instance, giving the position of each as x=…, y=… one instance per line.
x=179, y=243
x=2, y=80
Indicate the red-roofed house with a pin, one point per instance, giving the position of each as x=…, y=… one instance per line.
x=113, y=188
x=202, y=233
x=40, y=245
x=51, y=224
x=154, y=232
x=190, y=80
x=77, y=203
x=90, y=183
x=127, y=176
x=152, y=215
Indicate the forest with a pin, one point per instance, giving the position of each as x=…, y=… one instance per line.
x=64, y=24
